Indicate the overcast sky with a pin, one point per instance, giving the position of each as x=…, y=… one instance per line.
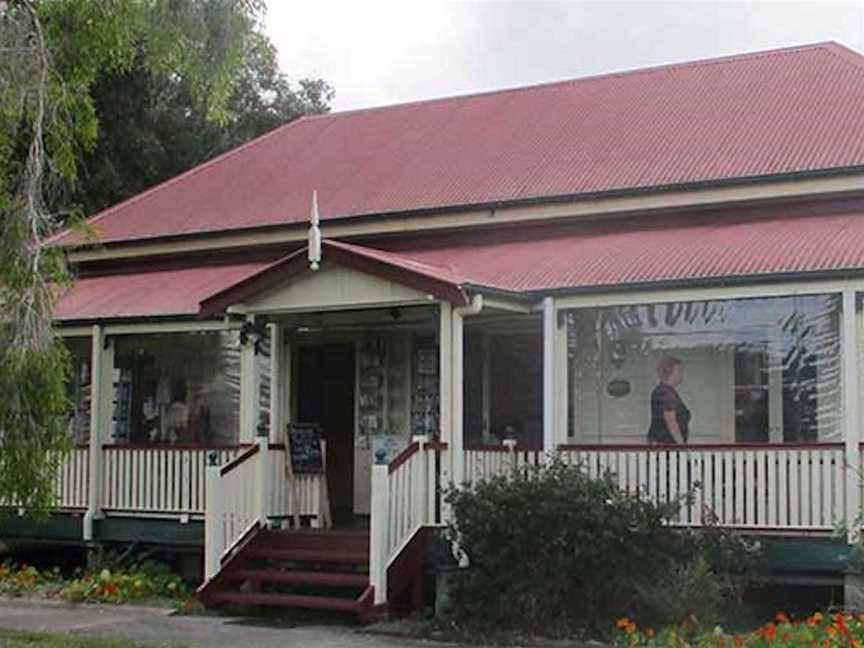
x=376, y=52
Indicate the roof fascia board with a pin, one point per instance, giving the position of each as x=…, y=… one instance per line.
x=142, y=324
x=764, y=286
x=622, y=204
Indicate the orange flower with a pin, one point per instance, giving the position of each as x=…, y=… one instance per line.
x=781, y=617
x=622, y=623
x=768, y=632
x=738, y=640
x=649, y=632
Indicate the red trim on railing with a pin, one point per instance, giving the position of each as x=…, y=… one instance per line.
x=231, y=551
x=494, y=447
x=168, y=446
x=402, y=457
x=658, y=447
x=436, y=445
x=276, y=446
x=231, y=465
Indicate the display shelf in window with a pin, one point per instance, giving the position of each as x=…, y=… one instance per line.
x=371, y=386
x=425, y=392
x=122, y=419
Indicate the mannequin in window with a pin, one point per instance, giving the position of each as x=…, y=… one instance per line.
x=670, y=417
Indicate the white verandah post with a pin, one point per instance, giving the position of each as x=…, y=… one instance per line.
x=379, y=530
x=457, y=447
x=277, y=383
x=851, y=420
x=550, y=391
x=445, y=360
x=100, y=391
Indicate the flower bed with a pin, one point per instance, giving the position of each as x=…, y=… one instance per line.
x=817, y=631
x=147, y=581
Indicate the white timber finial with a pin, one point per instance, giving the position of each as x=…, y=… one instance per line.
x=314, y=235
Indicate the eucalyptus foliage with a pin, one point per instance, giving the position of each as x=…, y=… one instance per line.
x=52, y=52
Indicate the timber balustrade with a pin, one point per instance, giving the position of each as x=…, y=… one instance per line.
x=405, y=498
x=164, y=480
x=72, y=479
x=786, y=487
x=248, y=493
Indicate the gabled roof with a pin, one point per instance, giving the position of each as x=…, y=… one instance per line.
x=438, y=281
x=791, y=111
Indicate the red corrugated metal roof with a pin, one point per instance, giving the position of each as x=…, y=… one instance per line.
x=158, y=293
x=722, y=245
x=683, y=248
x=777, y=112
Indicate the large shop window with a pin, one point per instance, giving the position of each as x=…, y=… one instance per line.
x=78, y=390
x=177, y=389
x=732, y=371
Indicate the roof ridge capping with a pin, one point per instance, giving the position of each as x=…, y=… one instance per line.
x=831, y=46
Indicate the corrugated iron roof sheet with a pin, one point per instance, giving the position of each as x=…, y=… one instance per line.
x=683, y=248
x=157, y=293
x=778, y=112
x=721, y=245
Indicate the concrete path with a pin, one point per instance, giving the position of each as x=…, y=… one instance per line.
x=160, y=627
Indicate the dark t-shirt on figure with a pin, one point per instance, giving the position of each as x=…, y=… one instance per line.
x=665, y=398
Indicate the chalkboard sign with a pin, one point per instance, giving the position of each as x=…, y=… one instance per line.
x=304, y=442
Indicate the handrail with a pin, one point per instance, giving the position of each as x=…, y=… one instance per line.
x=175, y=446
x=660, y=447
x=402, y=457
x=494, y=447
x=237, y=461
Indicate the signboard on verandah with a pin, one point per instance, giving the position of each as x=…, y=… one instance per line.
x=304, y=447
x=306, y=458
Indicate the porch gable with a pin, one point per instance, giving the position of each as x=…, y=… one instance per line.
x=332, y=287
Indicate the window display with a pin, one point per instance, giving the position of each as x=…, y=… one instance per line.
x=177, y=389
x=516, y=388
x=78, y=390
x=425, y=389
x=747, y=371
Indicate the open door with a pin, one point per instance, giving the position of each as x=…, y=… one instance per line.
x=325, y=395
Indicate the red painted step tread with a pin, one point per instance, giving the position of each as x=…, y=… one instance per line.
x=312, y=556
x=285, y=600
x=300, y=577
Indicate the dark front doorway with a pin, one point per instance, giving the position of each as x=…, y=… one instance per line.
x=325, y=395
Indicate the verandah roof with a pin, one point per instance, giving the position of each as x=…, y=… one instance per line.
x=729, y=245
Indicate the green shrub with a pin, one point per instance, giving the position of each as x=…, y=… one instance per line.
x=554, y=551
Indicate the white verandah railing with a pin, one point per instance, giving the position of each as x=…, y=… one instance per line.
x=73, y=477
x=405, y=498
x=158, y=480
x=169, y=481
x=759, y=487
x=249, y=491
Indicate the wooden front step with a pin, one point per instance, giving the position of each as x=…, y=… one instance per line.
x=315, y=569
x=285, y=601
x=348, y=541
x=317, y=579
x=321, y=556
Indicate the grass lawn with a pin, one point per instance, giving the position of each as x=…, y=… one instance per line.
x=15, y=639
